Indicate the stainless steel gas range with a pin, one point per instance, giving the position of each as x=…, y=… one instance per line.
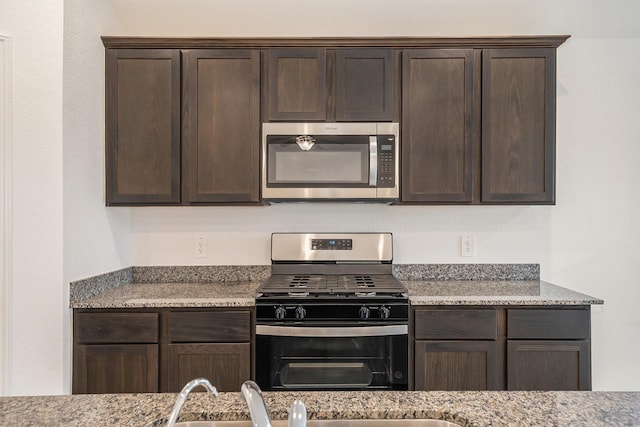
x=332, y=316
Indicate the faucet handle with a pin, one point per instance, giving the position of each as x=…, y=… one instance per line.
x=297, y=414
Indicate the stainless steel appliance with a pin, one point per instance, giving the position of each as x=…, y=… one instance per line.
x=332, y=316
x=330, y=161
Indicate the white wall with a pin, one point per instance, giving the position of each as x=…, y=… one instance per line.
x=588, y=242
x=595, y=234
x=5, y=205
x=96, y=239
x=37, y=298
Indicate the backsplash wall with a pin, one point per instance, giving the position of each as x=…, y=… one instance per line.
x=422, y=234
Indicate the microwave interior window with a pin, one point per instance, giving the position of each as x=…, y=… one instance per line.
x=328, y=166
x=326, y=163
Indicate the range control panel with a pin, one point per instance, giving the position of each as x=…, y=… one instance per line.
x=331, y=244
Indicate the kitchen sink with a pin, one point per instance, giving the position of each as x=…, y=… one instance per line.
x=330, y=423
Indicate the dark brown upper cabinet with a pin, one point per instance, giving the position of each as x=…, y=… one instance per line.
x=221, y=126
x=297, y=84
x=440, y=109
x=518, y=125
x=319, y=84
x=143, y=126
x=477, y=113
x=364, y=85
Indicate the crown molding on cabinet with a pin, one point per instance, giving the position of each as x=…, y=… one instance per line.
x=398, y=42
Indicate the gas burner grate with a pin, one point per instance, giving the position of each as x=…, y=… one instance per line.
x=332, y=284
x=300, y=281
x=364, y=281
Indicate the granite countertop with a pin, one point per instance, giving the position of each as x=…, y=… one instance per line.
x=578, y=409
x=494, y=292
x=235, y=286
x=242, y=294
x=140, y=295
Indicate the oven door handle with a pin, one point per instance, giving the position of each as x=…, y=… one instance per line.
x=330, y=332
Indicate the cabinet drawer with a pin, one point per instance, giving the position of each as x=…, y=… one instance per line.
x=100, y=328
x=456, y=324
x=209, y=326
x=548, y=324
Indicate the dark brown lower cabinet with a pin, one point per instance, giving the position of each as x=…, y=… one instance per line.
x=225, y=365
x=548, y=365
x=115, y=351
x=123, y=368
x=549, y=348
x=127, y=351
x=497, y=348
x=214, y=344
x=456, y=365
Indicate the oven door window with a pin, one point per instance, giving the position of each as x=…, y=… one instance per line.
x=337, y=363
x=332, y=161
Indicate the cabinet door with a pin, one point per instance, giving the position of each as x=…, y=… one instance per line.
x=227, y=366
x=297, y=84
x=548, y=365
x=439, y=101
x=221, y=116
x=518, y=125
x=143, y=126
x=456, y=365
x=364, y=85
x=115, y=368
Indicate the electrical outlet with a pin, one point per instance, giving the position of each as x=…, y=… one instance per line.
x=200, y=247
x=468, y=245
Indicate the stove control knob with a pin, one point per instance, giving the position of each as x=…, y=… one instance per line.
x=300, y=312
x=385, y=312
x=364, y=312
x=281, y=312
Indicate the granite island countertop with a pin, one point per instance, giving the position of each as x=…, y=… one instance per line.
x=242, y=294
x=473, y=409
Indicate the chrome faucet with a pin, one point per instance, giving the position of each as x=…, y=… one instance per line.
x=173, y=416
x=257, y=408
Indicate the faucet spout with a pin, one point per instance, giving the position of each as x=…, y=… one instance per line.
x=257, y=408
x=173, y=416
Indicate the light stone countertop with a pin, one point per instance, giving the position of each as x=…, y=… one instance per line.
x=493, y=293
x=472, y=409
x=153, y=295
x=242, y=294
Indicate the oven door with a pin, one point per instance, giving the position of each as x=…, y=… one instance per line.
x=332, y=358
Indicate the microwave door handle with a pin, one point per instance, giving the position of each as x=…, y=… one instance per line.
x=373, y=160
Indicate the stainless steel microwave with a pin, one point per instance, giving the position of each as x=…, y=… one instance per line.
x=330, y=161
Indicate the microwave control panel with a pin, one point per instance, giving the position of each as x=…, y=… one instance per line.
x=386, y=161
